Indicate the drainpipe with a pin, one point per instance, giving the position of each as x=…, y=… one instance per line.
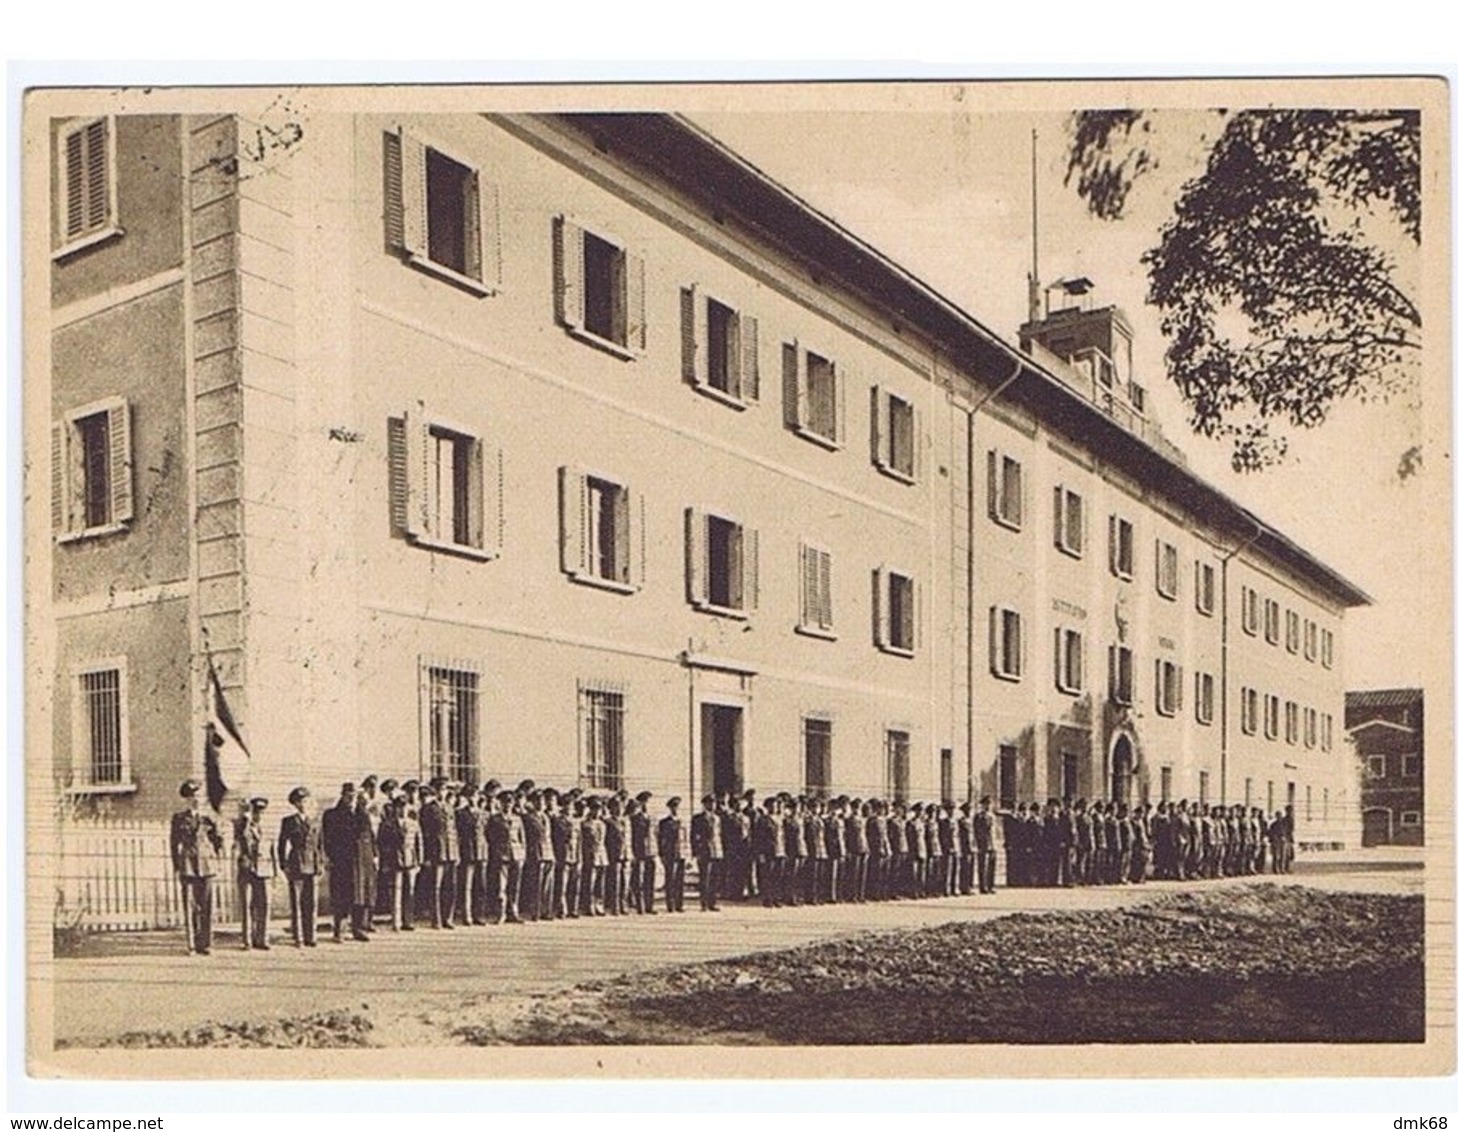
x=1225, y=653
x=1019, y=368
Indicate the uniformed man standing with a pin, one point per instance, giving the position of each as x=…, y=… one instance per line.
x=195, y=845
x=257, y=862
x=645, y=856
x=301, y=857
x=707, y=842
x=339, y=849
x=985, y=840
x=506, y=849
x=674, y=849
x=439, y=843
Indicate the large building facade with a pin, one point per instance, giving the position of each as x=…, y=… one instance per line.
x=572, y=447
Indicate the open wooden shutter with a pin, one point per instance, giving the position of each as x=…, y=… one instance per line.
x=842, y=380
x=690, y=302
x=748, y=357
x=640, y=541
x=880, y=427
x=60, y=512
x=827, y=616
x=421, y=458
x=414, y=198
x=749, y=548
x=909, y=606
x=696, y=555
x=994, y=641
x=119, y=433
x=809, y=578
x=477, y=493
x=994, y=471
x=623, y=538
x=398, y=455
x=97, y=175
x=572, y=493
x=488, y=208
x=879, y=607
x=1012, y=489
x=1060, y=533
x=792, y=387
x=636, y=284
x=75, y=184
x=1114, y=544
x=567, y=268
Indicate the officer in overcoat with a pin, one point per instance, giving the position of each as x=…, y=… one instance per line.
x=195, y=845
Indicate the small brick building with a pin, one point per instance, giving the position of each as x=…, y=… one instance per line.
x=1386, y=726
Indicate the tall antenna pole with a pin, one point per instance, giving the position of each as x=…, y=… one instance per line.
x=1035, y=287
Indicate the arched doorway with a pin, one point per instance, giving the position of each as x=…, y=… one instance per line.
x=1123, y=770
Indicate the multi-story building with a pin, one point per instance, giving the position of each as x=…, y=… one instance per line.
x=573, y=447
x=1386, y=727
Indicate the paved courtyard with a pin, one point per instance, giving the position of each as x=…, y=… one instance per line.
x=144, y=981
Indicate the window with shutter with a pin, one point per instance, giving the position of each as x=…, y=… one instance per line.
x=1249, y=710
x=1273, y=716
x=445, y=486
x=600, y=289
x=1273, y=621
x=91, y=470
x=1166, y=569
x=898, y=764
x=1068, y=521
x=894, y=610
x=1204, y=588
x=86, y=185
x=1328, y=648
x=893, y=435
x=1292, y=722
x=720, y=349
x=814, y=395
x=601, y=532
x=1006, y=643
x=816, y=618
x=723, y=564
x=1121, y=674
x=816, y=734
x=1121, y=548
x=1204, y=698
x=1068, y=660
x=1250, y=618
x=1168, y=687
x=440, y=214
x=1005, y=490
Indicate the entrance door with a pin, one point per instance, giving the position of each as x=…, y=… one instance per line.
x=1123, y=769
x=1007, y=776
x=1070, y=776
x=1376, y=827
x=721, y=741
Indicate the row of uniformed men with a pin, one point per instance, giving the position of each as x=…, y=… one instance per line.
x=1070, y=842
x=473, y=856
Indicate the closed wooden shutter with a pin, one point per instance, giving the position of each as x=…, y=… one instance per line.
x=908, y=615
x=995, y=641
x=75, y=184
x=476, y=492
x=994, y=477
x=119, y=433
x=748, y=357
x=97, y=175
x=572, y=493
x=827, y=616
x=749, y=548
x=567, y=267
x=87, y=179
x=623, y=535
x=879, y=607
x=420, y=460
x=809, y=579
x=842, y=382
x=637, y=321
x=640, y=538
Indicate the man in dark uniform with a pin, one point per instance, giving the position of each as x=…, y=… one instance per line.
x=195, y=845
x=300, y=855
x=707, y=843
x=339, y=849
x=439, y=845
x=399, y=860
x=471, y=863
x=645, y=856
x=833, y=885
x=985, y=838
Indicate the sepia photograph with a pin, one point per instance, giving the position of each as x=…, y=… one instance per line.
x=821, y=579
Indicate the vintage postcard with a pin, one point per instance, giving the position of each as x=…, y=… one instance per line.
x=952, y=578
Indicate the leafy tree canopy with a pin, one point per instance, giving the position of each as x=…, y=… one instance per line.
x=1284, y=276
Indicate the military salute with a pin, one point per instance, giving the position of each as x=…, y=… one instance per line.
x=473, y=856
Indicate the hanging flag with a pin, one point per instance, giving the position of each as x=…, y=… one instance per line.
x=226, y=762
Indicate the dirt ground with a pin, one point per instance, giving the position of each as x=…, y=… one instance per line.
x=1235, y=962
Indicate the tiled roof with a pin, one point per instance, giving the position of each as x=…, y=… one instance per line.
x=1384, y=698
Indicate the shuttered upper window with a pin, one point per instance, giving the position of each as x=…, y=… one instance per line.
x=893, y=435
x=91, y=470
x=445, y=486
x=1069, y=527
x=602, y=531
x=1005, y=640
x=1005, y=489
x=816, y=614
x=723, y=563
x=720, y=348
x=600, y=289
x=1068, y=660
x=814, y=395
x=895, y=611
x=440, y=214
x=86, y=184
x=1121, y=548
